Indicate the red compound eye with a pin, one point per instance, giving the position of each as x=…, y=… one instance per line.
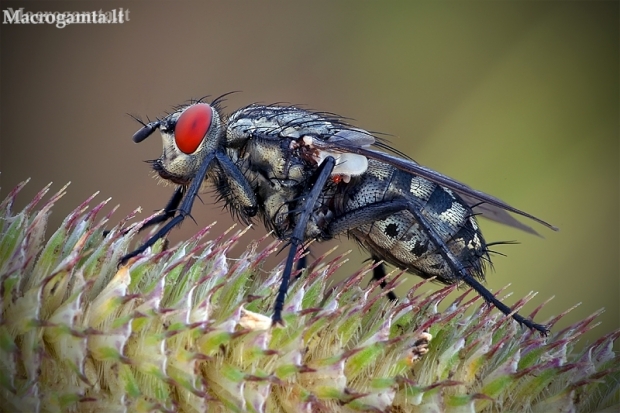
x=192, y=127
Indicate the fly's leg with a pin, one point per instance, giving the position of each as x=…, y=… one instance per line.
x=238, y=185
x=382, y=210
x=184, y=210
x=464, y=275
x=298, y=237
x=167, y=213
x=169, y=210
x=378, y=273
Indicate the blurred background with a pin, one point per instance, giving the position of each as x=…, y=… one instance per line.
x=517, y=99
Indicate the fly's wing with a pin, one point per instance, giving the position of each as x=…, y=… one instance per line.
x=351, y=147
x=357, y=141
x=497, y=214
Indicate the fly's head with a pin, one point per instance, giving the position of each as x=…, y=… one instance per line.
x=188, y=135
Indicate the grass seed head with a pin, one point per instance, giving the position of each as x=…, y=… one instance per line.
x=188, y=329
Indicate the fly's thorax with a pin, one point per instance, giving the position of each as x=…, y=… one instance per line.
x=275, y=158
x=282, y=121
x=278, y=176
x=279, y=167
x=180, y=159
x=299, y=133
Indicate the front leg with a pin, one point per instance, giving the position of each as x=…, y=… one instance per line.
x=169, y=210
x=238, y=184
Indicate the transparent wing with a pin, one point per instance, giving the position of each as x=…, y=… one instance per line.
x=487, y=205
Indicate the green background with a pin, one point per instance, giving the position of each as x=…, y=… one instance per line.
x=518, y=99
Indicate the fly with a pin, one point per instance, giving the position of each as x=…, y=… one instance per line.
x=312, y=176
